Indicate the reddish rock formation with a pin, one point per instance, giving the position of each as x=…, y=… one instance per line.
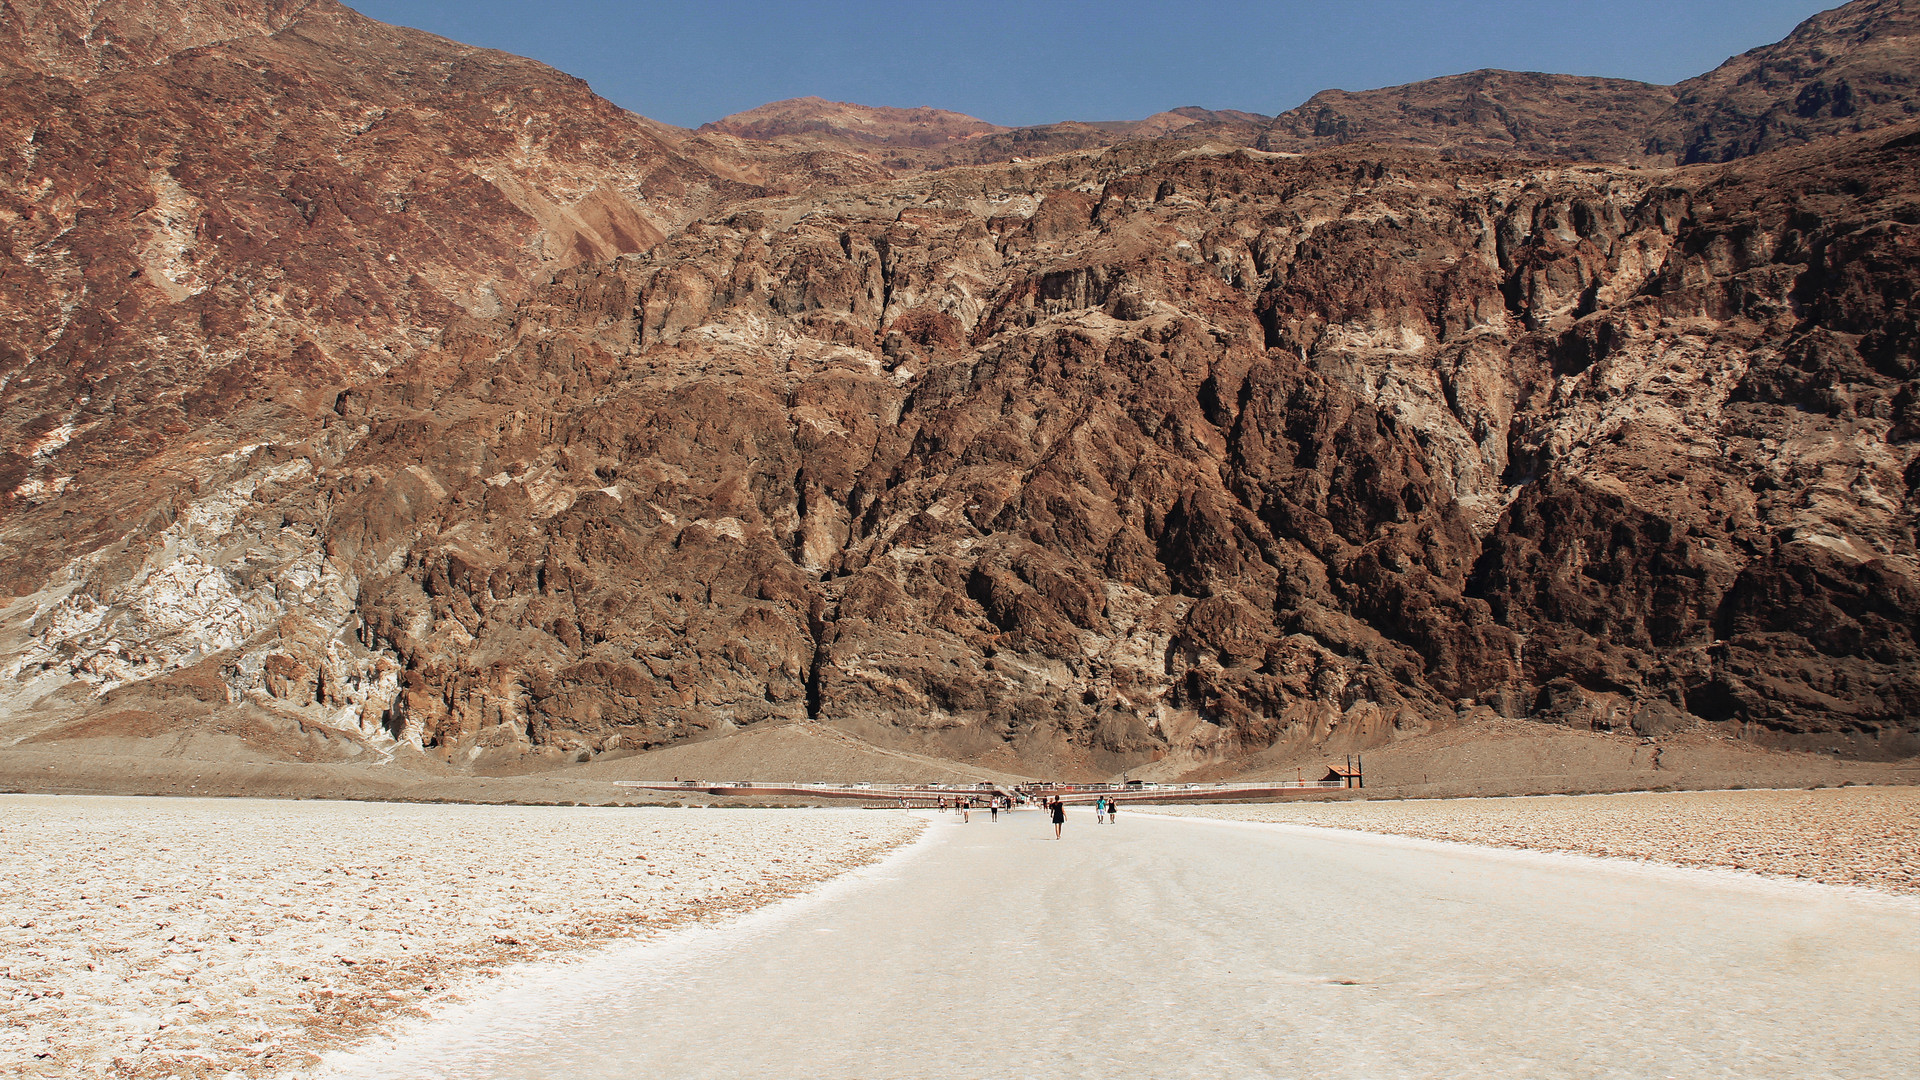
x=922, y=128
x=1846, y=70
x=908, y=141
x=1485, y=114
x=1854, y=68
x=1163, y=453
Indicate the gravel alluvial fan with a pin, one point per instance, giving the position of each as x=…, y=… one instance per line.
x=1169, y=451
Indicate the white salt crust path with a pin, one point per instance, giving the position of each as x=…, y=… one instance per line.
x=1176, y=948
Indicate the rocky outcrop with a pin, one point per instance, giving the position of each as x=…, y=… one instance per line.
x=1168, y=458
x=1846, y=70
x=1850, y=69
x=909, y=141
x=921, y=128
x=1157, y=457
x=1485, y=114
x=217, y=217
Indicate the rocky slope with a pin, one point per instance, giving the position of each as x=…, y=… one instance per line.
x=1854, y=68
x=907, y=141
x=215, y=216
x=1158, y=453
x=1129, y=456
x=921, y=128
x=1846, y=70
x=1485, y=114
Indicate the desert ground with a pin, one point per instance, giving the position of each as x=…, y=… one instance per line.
x=210, y=938
x=1867, y=837
x=1178, y=948
x=195, y=936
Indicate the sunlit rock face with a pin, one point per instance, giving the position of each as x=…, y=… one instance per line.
x=1842, y=71
x=1155, y=456
x=217, y=217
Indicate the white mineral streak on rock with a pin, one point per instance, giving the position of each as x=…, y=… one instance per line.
x=169, y=246
x=211, y=583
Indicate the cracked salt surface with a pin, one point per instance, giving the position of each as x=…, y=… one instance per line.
x=150, y=937
x=1177, y=948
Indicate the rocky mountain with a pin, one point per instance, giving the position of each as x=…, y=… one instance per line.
x=216, y=215
x=1485, y=114
x=1160, y=455
x=1846, y=70
x=915, y=140
x=1854, y=68
x=922, y=128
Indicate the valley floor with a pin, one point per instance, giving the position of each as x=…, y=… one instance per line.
x=213, y=937
x=1840, y=836
x=187, y=937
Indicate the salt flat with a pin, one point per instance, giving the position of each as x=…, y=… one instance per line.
x=1840, y=836
x=1173, y=947
x=202, y=937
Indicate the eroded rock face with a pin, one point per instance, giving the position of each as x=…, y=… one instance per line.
x=921, y=128
x=1160, y=454
x=1846, y=70
x=1133, y=458
x=1485, y=114
x=216, y=219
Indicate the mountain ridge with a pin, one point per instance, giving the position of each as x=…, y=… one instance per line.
x=441, y=403
x=1845, y=70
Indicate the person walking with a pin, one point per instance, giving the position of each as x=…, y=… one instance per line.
x=1100, y=810
x=1059, y=815
x=993, y=808
x=1113, y=812
x=966, y=811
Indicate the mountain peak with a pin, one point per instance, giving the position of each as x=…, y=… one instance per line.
x=878, y=125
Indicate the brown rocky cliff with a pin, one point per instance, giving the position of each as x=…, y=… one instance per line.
x=921, y=128
x=1157, y=453
x=1485, y=114
x=1854, y=68
x=1846, y=70
x=1171, y=458
x=206, y=244
x=215, y=218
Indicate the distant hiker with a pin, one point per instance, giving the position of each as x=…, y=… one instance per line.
x=1059, y=815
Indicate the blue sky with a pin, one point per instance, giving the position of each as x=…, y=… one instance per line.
x=1038, y=61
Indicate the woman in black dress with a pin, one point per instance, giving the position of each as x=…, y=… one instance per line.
x=1059, y=816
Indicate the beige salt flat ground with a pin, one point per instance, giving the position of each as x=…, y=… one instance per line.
x=149, y=937
x=1840, y=836
x=1174, y=947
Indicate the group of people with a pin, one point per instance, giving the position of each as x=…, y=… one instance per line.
x=964, y=806
x=1106, y=809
